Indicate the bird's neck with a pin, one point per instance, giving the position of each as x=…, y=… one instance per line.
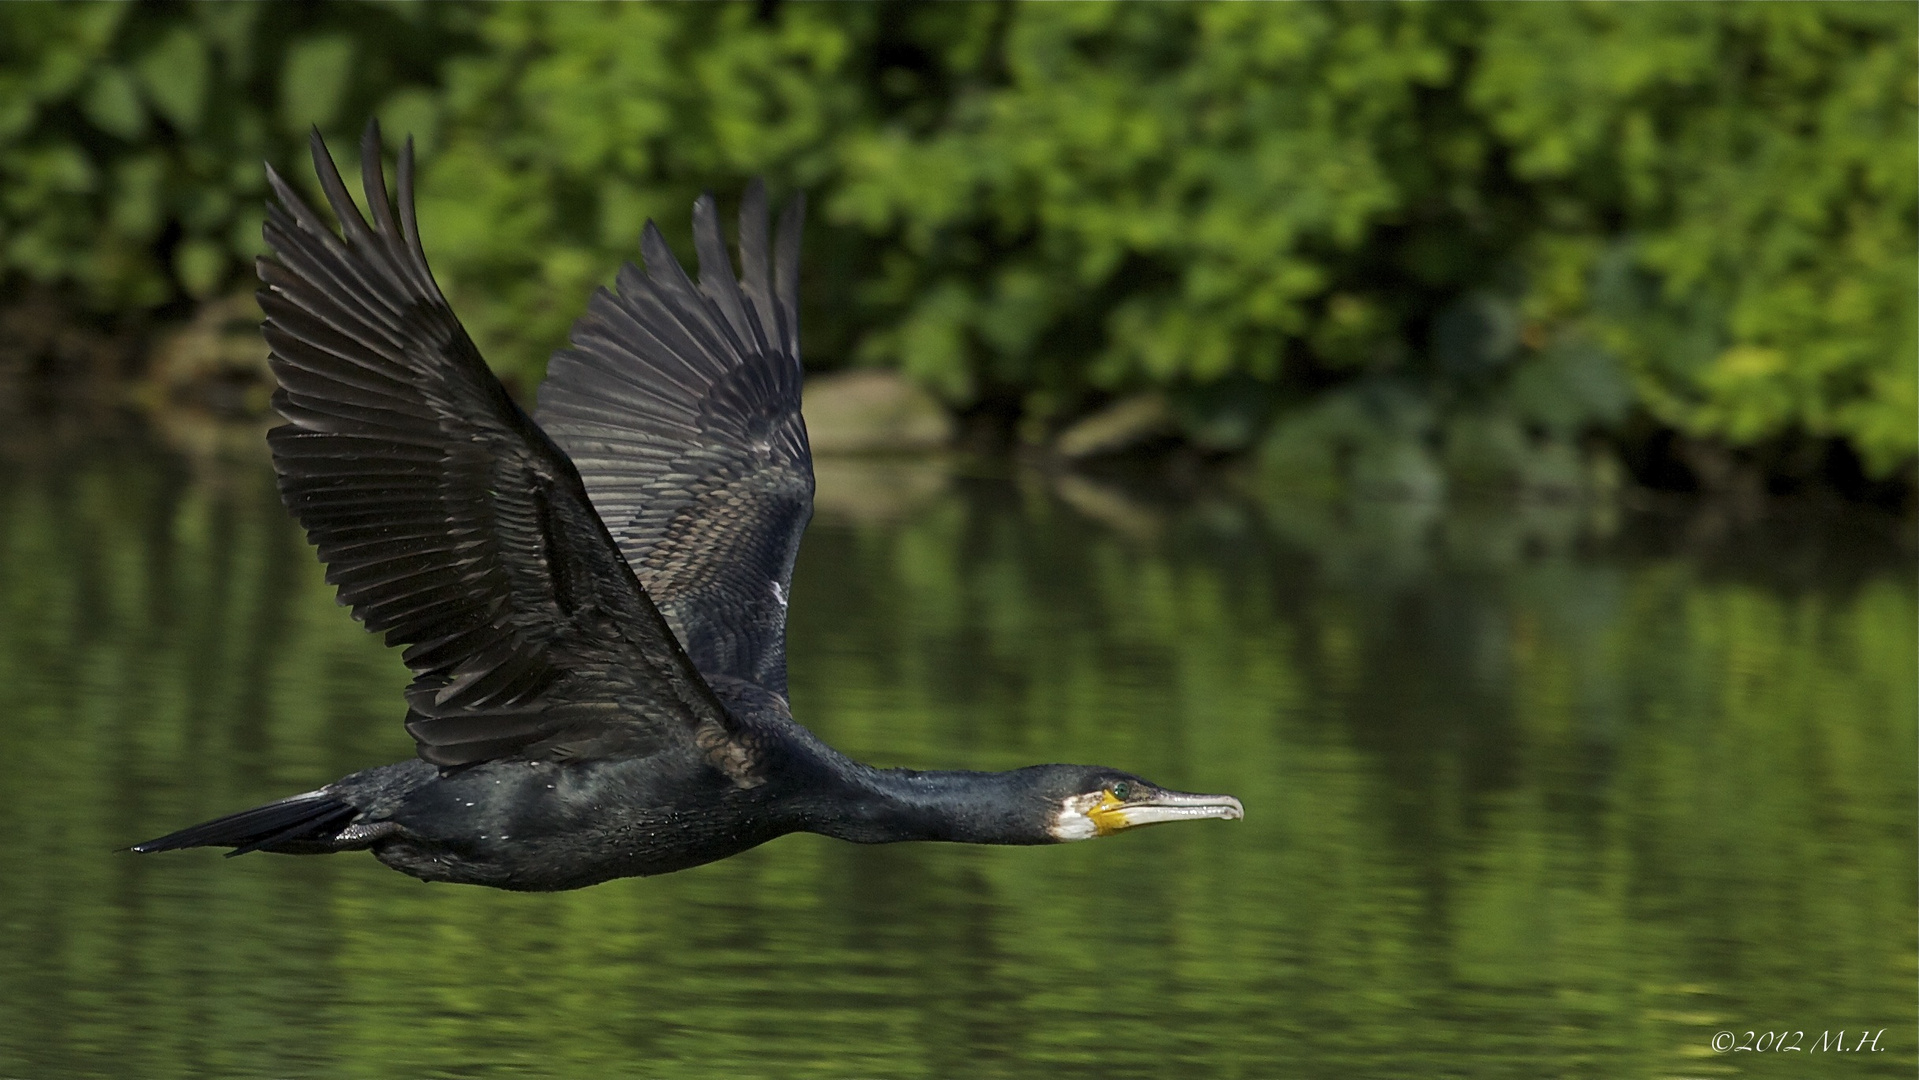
x=880, y=806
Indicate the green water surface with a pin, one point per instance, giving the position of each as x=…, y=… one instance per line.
x=1530, y=791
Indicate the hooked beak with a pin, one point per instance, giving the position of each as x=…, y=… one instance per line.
x=1112, y=815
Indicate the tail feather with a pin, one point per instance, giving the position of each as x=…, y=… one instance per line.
x=315, y=817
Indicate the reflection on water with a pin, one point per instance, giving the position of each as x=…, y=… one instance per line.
x=1527, y=794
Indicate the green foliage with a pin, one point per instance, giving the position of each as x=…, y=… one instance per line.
x=132, y=136
x=1534, y=220
x=1758, y=158
x=577, y=123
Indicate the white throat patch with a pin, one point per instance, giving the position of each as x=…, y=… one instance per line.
x=1073, y=822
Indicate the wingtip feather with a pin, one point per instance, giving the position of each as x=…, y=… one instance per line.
x=786, y=271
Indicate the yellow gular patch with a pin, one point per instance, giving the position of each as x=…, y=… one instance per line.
x=1105, y=816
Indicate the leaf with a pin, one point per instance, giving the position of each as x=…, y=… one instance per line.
x=137, y=209
x=201, y=266
x=174, y=73
x=314, y=81
x=113, y=104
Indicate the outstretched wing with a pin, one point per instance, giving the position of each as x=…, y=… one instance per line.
x=680, y=403
x=445, y=516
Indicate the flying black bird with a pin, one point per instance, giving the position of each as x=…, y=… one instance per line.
x=594, y=605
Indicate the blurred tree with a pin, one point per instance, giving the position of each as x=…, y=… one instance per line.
x=1745, y=192
x=1387, y=245
x=131, y=135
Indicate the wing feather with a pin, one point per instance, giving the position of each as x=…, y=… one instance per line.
x=447, y=519
x=679, y=402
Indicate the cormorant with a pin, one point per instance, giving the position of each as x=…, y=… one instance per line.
x=593, y=604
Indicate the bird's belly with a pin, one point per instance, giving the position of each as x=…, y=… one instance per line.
x=553, y=864
x=545, y=837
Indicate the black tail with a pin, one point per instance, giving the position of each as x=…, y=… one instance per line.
x=314, y=817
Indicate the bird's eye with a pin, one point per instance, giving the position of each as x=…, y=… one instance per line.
x=1121, y=791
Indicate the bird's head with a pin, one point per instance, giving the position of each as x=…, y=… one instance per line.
x=1088, y=801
